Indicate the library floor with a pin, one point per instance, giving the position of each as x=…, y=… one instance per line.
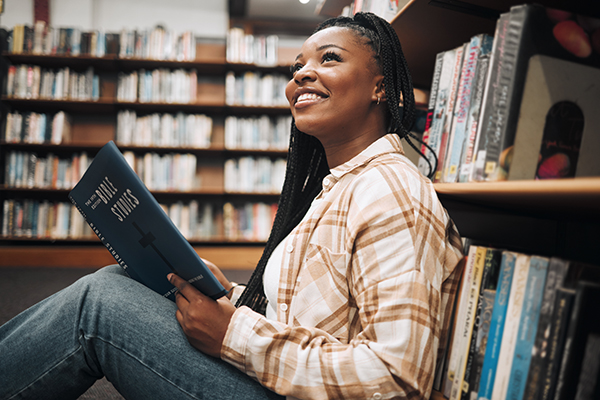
x=20, y=288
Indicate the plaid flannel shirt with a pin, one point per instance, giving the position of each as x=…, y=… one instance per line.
x=366, y=289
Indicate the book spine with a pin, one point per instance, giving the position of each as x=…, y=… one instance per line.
x=449, y=111
x=557, y=270
x=556, y=342
x=503, y=291
x=487, y=120
x=466, y=330
x=461, y=110
x=439, y=60
x=528, y=325
x=511, y=328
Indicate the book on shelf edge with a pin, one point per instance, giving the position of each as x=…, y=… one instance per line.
x=135, y=229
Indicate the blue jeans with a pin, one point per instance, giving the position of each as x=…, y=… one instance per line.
x=107, y=324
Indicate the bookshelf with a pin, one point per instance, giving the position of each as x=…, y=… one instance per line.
x=93, y=123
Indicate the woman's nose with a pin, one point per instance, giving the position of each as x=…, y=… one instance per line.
x=306, y=73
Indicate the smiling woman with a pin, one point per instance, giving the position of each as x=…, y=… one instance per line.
x=351, y=298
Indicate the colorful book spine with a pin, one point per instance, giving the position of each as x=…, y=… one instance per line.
x=463, y=102
x=490, y=362
x=487, y=120
x=511, y=327
x=425, y=168
x=466, y=327
x=528, y=326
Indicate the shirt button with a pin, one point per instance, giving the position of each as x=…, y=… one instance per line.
x=283, y=307
x=289, y=248
x=377, y=396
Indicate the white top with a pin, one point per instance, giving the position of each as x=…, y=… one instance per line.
x=272, y=269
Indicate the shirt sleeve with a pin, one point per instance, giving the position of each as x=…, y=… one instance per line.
x=396, y=275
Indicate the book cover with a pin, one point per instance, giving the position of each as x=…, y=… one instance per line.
x=528, y=324
x=478, y=45
x=134, y=228
x=465, y=325
x=511, y=327
x=492, y=350
x=584, y=324
x=533, y=29
x=559, y=109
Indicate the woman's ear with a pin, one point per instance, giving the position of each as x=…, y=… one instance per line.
x=379, y=92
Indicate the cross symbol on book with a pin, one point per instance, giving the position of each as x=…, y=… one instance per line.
x=148, y=240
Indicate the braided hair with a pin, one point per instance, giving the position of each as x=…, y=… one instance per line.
x=307, y=164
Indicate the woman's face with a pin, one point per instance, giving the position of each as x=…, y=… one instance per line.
x=334, y=88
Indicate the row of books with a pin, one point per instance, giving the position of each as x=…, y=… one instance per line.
x=168, y=172
x=42, y=220
x=232, y=221
x=524, y=327
x=254, y=174
x=386, y=9
x=158, y=86
x=29, y=218
x=34, y=82
x=251, y=49
x=255, y=89
x=156, y=43
x=28, y=170
x=163, y=130
x=32, y=127
x=262, y=132
x=519, y=105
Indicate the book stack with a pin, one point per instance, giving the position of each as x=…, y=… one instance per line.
x=254, y=174
x=257, y=132
x=523, y=329
x=34, y=82
x=32, y=127
x=251, y=49
x=520, y=105
x=158, y=86
x=43, y=220
x=30, y=170
x=255, y=89
x=164, y=130
x=168, y=172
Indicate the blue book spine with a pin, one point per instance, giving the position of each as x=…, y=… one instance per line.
x=492, y=351
x=135, y=229
x=528, y=324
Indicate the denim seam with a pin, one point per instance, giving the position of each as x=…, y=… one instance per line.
x=125, y=352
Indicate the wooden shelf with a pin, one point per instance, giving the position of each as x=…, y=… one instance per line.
x=560, y=197
x=227, y=256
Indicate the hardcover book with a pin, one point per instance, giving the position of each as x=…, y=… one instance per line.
x=135, y=229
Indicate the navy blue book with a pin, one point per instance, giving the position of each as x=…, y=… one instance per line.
x=135, y=229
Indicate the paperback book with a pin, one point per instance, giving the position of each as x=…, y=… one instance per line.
x=135, y=229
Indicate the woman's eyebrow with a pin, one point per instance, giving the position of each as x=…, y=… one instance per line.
x=325, y=46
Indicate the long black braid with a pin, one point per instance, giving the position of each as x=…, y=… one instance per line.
x=307, y=164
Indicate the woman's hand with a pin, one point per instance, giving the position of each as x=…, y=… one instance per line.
x=204, y=320
x=218, y=274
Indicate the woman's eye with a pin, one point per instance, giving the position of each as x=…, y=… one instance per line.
x=295, y=67
x=331, y=56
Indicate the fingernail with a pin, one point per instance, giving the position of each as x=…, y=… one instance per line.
x=169, y=277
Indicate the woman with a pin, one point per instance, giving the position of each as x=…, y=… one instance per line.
x=355, y=284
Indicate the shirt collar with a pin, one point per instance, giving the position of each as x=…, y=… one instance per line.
x=390, y=143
